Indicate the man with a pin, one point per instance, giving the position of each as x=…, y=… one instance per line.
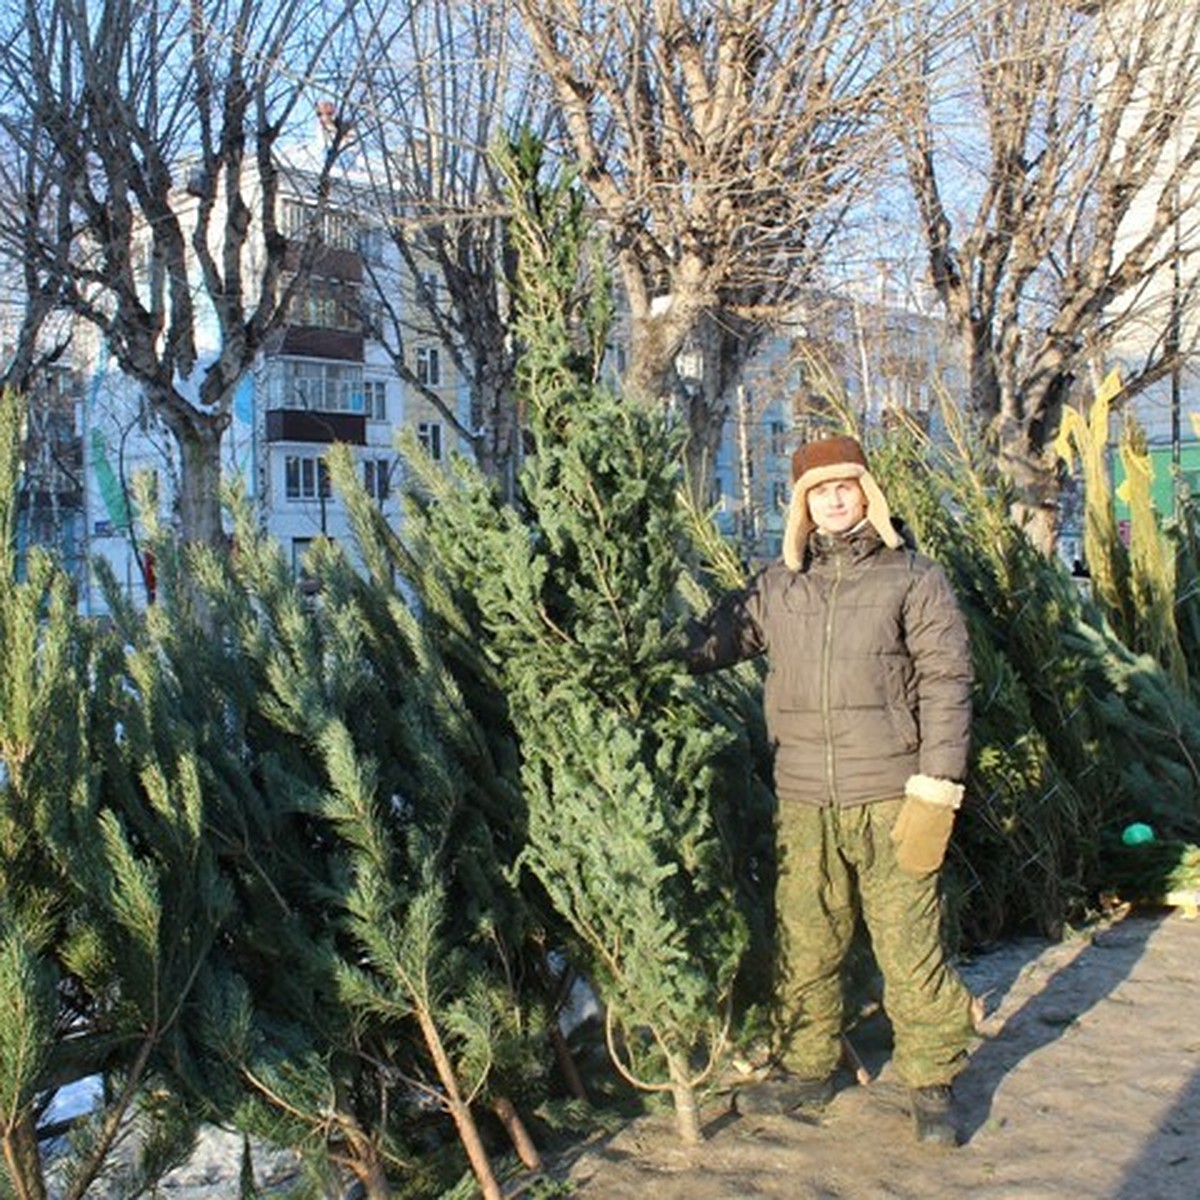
x=868, y=706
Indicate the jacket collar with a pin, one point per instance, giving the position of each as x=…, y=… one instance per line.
x=859, y=543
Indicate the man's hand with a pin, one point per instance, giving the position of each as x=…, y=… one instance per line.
x=922, y=830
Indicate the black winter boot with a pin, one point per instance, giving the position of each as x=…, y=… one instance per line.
x=933, y=1115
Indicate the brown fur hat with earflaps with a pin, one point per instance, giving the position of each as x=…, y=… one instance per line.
x=819, y=462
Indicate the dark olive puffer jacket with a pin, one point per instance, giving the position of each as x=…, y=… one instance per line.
x=869, y=668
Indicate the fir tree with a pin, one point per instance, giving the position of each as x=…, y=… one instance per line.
x=574, y=592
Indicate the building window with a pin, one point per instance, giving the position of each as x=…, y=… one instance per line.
x=305, y=477
x=808, y=427
x=429, y=367
x=370, y=243
x=375, y=399
x=427, y=288
x=780, y=495
x=374, y=315
x=317, y=386
x=779, y=433
x=429, y=434
x=326, y=304
x=377, y=478
x=300, y=549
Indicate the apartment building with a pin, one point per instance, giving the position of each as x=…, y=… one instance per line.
x=1160, y=319
x=322, y=378
x=50, y=493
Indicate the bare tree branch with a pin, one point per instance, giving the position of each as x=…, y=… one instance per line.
x=444, y=92
x=154, y=136
x=1079, y=198
x=721, y=144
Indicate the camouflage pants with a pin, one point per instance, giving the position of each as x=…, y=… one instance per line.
x=832, y=861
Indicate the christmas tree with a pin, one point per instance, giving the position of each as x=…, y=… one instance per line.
x=576, y=597
x=109, y=895
x=365, y=989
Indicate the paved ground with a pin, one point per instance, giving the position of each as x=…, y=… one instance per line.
x=1087, y=1086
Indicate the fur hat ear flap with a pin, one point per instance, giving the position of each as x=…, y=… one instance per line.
x=819, y=462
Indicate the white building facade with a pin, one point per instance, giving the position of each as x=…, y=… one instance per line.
x=319, y=380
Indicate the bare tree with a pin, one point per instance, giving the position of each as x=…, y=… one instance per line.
x=149, y=139
x=442, y=95
x=721, y=143
x=33, y=341
x=1052, y=150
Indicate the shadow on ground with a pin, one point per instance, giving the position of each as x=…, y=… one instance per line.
x=1170, y=1157
x=1069, y=992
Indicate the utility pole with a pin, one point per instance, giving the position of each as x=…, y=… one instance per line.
x=747, y=517
x=1174, y=333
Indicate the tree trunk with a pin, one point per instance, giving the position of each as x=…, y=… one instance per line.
x=371, y=1174
x=1034, y=479
x=694, y=360
x=1025, y=430
x=498, y=438
x=566, y=1062
x=518, y=1134
x=1022, y=426
x=22, y=1160
x=362, y=1157
x=459, y=1109
x=687, y=1112
x=468, y=1134
x=199, y=499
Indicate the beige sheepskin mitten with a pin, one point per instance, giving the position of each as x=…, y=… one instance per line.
x=922, y=830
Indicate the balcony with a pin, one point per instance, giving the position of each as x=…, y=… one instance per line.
x=311, y=341
x=323, y=428
x=332, y=262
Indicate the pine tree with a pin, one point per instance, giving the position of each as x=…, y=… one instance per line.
x=1074, y=733
x=108, y=902
x=366, y=983
x=41, y=746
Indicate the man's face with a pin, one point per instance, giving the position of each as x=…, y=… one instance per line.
x=836, y=505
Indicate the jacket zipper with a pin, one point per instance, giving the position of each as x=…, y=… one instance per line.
x=826, y=665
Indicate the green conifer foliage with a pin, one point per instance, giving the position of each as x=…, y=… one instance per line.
x=1074, y=734
x=1025, y=851
x=270, y=1044
x=573, y=596
x=108, y=901
x=367, y=985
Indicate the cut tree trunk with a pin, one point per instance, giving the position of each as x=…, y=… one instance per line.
x=687, y=1111
x=518, y=1134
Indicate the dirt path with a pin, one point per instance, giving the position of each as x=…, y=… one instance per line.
x=1086, y=1087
